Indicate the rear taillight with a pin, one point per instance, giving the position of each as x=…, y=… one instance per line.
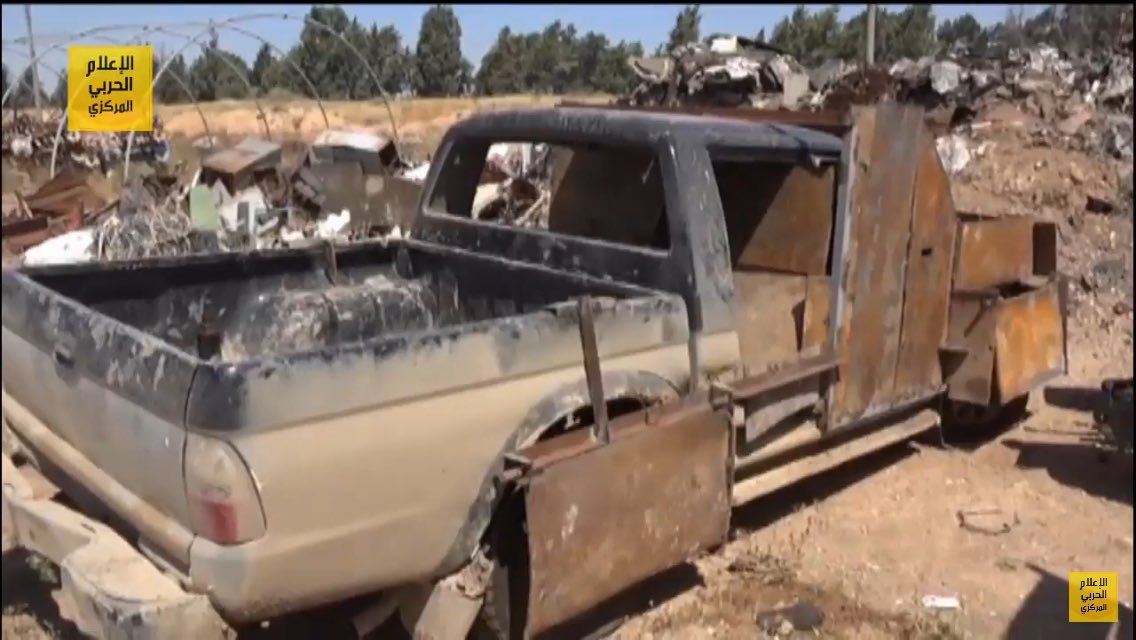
x=224, y=504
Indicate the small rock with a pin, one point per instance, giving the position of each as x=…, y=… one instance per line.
x=1071, y=125
x=1121, y=308
x=799, y=616
x=1094, y=204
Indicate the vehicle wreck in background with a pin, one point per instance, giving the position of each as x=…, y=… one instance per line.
x=741, y=297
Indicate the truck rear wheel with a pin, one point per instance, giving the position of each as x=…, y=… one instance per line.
x=503, y=615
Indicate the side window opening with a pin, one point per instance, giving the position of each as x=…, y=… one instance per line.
x=602, y=192
x=779, y=220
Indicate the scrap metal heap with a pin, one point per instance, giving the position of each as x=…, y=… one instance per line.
x=30, y=138
x=1072, y=88
x=345, y=186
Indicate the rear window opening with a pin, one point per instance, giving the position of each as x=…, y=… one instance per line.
x=604, y=192
x=779, y=221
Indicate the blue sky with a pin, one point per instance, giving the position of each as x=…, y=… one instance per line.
x=480, y=23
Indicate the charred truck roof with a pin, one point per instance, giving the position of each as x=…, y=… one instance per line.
x=694, y=264
x=643, y=127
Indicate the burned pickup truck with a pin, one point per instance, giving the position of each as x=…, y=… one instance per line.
x=512, y=421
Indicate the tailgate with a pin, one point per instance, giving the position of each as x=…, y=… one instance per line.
x=115, y=395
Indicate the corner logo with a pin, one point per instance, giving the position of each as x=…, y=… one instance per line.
x=110, y=89
x=1093, y=596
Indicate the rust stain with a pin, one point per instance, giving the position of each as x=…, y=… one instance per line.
x=881, y=228
x=968, y=361
x=603, y=521
x=1029, y=342
x=994, y=252
x=795, y=232
x=818, y=302
x=927, y=291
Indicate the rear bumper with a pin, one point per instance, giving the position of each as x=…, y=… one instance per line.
x=116, y=592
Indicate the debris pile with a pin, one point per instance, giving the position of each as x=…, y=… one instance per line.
x=346, y=186
x=727, y=72
x=515, y=185
x=1087, y=95
x=30, y=138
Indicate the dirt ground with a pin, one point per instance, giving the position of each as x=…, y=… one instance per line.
x=996, y=523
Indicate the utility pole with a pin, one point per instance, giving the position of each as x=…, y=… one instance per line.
x=32, y=54
x=870, y=38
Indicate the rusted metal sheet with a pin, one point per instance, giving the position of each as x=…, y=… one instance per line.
x=876, y=262
x=19, y=235
x=600, y=429
x=603, y=521
x=1029, y=342
x=930, y=254
x=373, y=153
x=994, y=252
x=968, y=356
x=818, y=305
x=772, y=397
x=62, y=204
x=788, y=222
x=767, y=311
x=235, y=166
x=65, y=194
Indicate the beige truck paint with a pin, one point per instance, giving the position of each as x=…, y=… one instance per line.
x=388, y=505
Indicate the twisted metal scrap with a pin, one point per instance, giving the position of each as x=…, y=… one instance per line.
x=152, y=231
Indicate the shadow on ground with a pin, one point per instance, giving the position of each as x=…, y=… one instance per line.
x=1098, y=462
x=1044, y=614
x=1101, y=473
x=1109, y=409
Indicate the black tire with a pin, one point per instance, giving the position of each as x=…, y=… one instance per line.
x=504, y=612
x=971, y=420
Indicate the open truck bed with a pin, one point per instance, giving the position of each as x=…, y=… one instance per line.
x=281, y=363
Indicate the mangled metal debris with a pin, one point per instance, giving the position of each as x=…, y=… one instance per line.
x=729, y=71
x=30, y=138
x=348, y=185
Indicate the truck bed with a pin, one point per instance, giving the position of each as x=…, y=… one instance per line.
x=234, y=310
x=147, y=330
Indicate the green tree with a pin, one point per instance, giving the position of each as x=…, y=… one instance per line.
x=906, y=34
x=688, y=24
x=811, y=38
x=218, y=75
x=22, y=97
x=60, y=96
x=963, y=30
x=321, y=55
x=441, y=69
x=502, y=70
x=389, y=58
x=614, y=75
x=260, y=66
x=167, y=90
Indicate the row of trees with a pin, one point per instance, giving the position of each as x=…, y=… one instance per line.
x=558, y=59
